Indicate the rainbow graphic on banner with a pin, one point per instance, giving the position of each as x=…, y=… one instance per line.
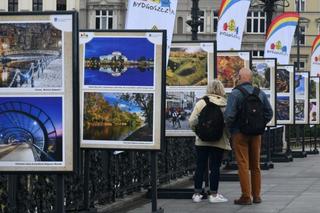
x=226, y=4
x=281, y=21
x=316, y=44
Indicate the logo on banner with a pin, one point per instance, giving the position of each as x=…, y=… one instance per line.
x=316, y=60
x=278, y=48
x=230, y=29
x=162, y=6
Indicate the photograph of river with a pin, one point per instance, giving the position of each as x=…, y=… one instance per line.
x=187, y=66
x=30, y=55
x=31, y=129
x=119, y=61
x=118, y=116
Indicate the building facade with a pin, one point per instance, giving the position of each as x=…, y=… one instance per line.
x=110, y=14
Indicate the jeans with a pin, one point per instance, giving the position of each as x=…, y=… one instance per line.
x=215, y=156
x=247, y=150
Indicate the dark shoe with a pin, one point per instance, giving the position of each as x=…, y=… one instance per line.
x=243, y=201
x=257, y=200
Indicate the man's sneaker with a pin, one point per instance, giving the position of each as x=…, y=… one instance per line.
x=217, y=199
x=197, y=197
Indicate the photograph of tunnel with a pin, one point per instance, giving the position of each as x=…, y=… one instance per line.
x=115, y=61
x=118, y=116
x=30, y=55
x=31, y=129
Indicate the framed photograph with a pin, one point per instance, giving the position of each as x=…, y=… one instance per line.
x=122, y=89
x=264, y=75
x=228, y=65
x=37, y=126
x=314, y=100
x=190, y=68
x=285, y=94
x=302, y=97
x=190, y=64
x=179, y=106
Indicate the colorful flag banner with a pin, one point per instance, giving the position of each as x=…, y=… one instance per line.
x=232, y=19
x=279, y=37
x=152, y=14
x=315, y=57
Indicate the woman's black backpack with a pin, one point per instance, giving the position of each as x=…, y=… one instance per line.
x=210, y=122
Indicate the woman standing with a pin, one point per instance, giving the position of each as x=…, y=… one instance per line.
x=212, y=150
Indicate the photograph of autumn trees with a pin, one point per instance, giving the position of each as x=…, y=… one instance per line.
x=228, y=68
x=118, y=116
x=187, y=66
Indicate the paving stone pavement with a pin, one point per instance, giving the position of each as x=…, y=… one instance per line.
x=292, y=187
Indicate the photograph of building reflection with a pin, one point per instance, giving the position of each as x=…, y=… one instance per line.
x=119, y=62
x=31, y=129
x=30, y=55
x=179, y=106
x=118, y=116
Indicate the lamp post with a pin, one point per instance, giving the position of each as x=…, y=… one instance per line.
x=194, y=23
x=269, y=7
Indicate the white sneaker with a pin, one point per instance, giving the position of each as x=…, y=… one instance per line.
x=197, y=198
x=217, y=199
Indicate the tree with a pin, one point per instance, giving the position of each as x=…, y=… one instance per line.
x=144, y=101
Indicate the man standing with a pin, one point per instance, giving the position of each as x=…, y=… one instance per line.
x=246, y=146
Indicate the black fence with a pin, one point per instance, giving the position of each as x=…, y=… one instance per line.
x=111, y=175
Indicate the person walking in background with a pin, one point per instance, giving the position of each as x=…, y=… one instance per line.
x=246, y=139
x=212, y=150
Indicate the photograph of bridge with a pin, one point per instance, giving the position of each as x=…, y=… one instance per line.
x=109, y=116
x=119, y=61
x=30, y=55
x=31, y=129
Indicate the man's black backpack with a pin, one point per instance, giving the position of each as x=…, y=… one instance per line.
x=210, y=122
x=251, y=114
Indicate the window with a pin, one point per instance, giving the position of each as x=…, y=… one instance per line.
x=256, y=22
x=201, y=18
x=61, y=4
x=180, y=25
x=302, y=65
x=258, y=53
x=302, y=36
x=302, y=5
x=104, y=19
x=13, y=5
x=215, y=21
x=37, y=5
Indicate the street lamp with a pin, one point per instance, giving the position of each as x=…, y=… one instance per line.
x=194, y=23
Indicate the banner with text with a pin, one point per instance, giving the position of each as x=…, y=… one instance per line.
x=315, y=57
x=279, y=37
x=154, y=15
x=232, y=19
